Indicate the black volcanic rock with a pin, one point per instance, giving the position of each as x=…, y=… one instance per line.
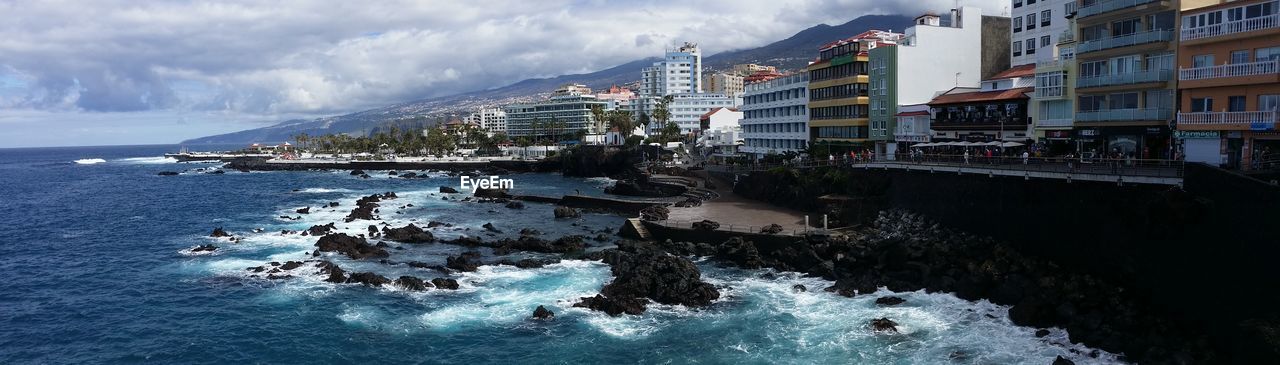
x=204, y=248
x=613, y=306
x=320, y=230
x=304, y=210
x=889, y=301
x=218, y=232
x=448, y=190
x=543, y=313
x=492, y=193
x=442, y=283
x=467, y=261
x=706, y=225
x=412, y=283
x=515, y=204
x=643, y=271
x=336, y=274
x=408, y=234
x=354, y=247
x=489, y=227
x=368, y=279
x=566, y=212
x=167, y=173
x=883, y=325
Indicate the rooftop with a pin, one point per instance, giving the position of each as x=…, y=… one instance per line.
x=1026, y=70
x=979, y=96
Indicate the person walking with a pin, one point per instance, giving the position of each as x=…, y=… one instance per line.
x=966, y=156
x=1025, y=157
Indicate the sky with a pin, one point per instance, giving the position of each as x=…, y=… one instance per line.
x=110, y=72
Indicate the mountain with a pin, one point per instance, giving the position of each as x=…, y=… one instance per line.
x=792, y=53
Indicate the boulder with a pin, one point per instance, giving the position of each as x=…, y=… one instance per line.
x=204, y=248
x=434, y=224
x=799, y=288
x=530, y=232
x=218, y=232
x=320, y=230
x=528, y=263
x=706, y=225
x=566, y=212
x=291, y=265
x=392, y=173
x=448, y=190
x=467, y=261
x=410, y=175
x=412, y=283
x=543, y=313
x=442, y=283
x=643, y=271
x=884, y=325
x=357, y=172
x=303, y=210
x=368, y=279
x=771, y=229
x=655, y=213
x=889, y=301
x=1062, y=361
x=354, y=247
x=515, y=204
x=489, y=227
x=613, y=306
x=492, y=193
x=408, y=234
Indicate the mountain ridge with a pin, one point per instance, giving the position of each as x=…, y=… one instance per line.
x=791, y=53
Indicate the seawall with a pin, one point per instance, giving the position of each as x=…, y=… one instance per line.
x=1204, y=252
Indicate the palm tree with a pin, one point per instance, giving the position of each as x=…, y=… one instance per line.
x=662, y=111
x=621, y=120
x=597, y=118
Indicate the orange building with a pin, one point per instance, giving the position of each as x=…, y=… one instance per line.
x=1229, y=82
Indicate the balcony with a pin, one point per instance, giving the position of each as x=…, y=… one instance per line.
x=1067, y=36
x=1108, y=5
x=1054, y=123
x=1251, y=120
x=1270, y=67
x=1232, y=27
x=1124, y=115
x=1050, y=92
x=1127, y=78
x=1151, y=36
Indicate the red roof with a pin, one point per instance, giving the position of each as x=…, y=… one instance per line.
x=713, y=111
x=1018, y=71
x=970, y=97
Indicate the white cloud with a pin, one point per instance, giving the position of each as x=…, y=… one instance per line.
x=254, y=57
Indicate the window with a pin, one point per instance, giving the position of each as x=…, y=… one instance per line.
x=1200, y=105
x=1031, y=46
x=1235, y=103
x=1124, y=65
x=1044, y=41
x=1031, y=21
x=1124, y=27
x=1017, y=48
x=1017, y=3
x=1045, y=17
x=1031, y=2
x=1017, y=24
x=1269, y=102
x=1093, y=69
x=1204, y=60
x=1123, y=101
x=1240, y=56
x=1266, y=54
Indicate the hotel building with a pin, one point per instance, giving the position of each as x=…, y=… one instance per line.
x=1229, y=82
x=570, y=104
x=775, y=116
x=1053, y=101
x=1125, y=85
x=1036, y=26
x=838, y=92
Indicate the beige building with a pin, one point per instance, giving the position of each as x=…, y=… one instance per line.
x=723, y=83
x=750, y=68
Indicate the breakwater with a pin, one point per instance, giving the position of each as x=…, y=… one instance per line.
x=1198, y=255
x=251, y=164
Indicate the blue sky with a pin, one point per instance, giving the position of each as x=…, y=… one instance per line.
x=128, y=72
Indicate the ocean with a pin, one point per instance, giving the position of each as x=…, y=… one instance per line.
x=99, y=270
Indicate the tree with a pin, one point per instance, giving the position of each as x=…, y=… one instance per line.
x=633, y=141
x=438, y=142
x=621, y=120
x=662, y=111
x=670, y=130
x=597, y=118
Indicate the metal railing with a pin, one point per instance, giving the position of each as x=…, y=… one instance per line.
x=1231, y=27
x=1228, y=118
x=1124, y=115
x=1109, y=5
x=1136, y=77
x=1230, y=70
x=1116, y=167
x=1150, y=36
x=1063, y=122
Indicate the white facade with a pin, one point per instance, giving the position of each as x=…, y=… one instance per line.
x=680, y=71
x=686, y=110
x=1037, y=25
x=775, y=116
x=913, y=124
x=492, y=120
x=923, y=71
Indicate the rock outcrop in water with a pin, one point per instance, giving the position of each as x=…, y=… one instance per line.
x=543, y=313
x=466, y=262
x=412, y=283
x=447, y=284
x=642, y=271
x=368, y=279
x=367, y=206
x=218, y=233
x=354, y=247
x=566, y=212
x=408, y=234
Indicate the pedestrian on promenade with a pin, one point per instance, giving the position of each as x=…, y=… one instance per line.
x=966, y=156
x=1025, y=156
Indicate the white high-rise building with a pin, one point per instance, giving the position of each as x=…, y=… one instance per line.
x=775, y=116
x=493, y=120
x=679, y=72
x=1037, y=25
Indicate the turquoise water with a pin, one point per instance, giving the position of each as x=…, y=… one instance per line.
x=99, y=271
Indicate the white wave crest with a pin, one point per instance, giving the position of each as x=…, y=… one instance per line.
x=323, y=190
x=89, y=161
x=148, y=160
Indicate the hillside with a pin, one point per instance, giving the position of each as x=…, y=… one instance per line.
x=791, y=53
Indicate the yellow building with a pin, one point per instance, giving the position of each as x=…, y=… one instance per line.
x=838, y=99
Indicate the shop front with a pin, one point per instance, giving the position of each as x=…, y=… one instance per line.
x=1124, y=142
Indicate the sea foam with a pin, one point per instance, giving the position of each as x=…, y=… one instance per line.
x=89, y=161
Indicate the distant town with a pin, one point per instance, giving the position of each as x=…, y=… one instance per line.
x=1113, y=79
